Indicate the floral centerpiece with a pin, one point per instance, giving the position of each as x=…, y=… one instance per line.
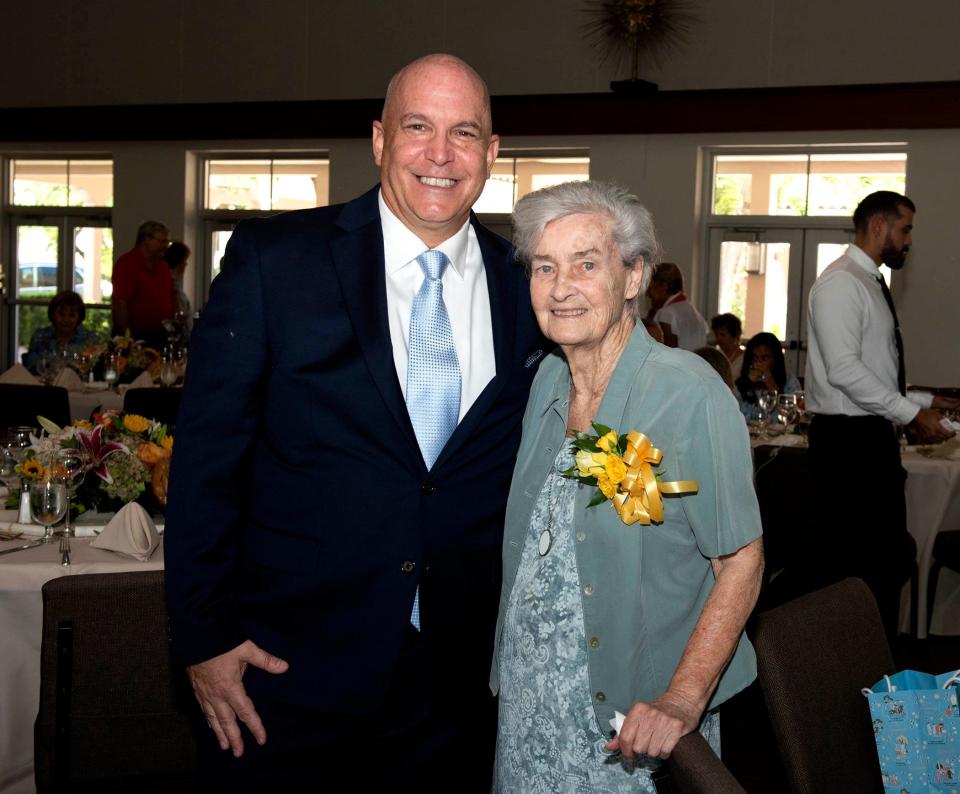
x=127, y=458
x=621, y=468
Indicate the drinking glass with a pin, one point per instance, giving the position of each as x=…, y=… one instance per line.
x=787, y=403
x=111, y=369
x=767, y=400
x=71, y=465
x=757, y=421
x=19, y=441
x=8, y=467
x=48, y=503
x=168, y=370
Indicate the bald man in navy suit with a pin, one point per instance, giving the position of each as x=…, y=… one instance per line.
x=304, y=525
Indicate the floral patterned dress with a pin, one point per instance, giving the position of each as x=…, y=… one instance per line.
x=548, y=738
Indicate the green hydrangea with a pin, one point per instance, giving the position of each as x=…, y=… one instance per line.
x=129, y=477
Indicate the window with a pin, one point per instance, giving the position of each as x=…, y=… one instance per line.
x=59, y=236
x=778, y=218
x=803, y=184
x=267, y=184
x=514, y=175
x=61, y=183
x=245, y=186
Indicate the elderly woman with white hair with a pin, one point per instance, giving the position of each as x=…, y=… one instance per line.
x=632, y=551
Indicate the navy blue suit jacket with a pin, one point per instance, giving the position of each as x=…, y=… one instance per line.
x=298, y=495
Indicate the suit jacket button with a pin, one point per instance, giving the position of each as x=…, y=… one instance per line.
x=408, y=566
x=427, y=488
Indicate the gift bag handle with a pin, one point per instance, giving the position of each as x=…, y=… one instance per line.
x=953, y=679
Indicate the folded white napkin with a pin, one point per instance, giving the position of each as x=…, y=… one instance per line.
x=68, y=379
x=19, y=374
x=143, y=381
x=131, y=532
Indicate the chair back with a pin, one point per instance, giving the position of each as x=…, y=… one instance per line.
x=21, y=404
x=113, y=715
x=695, y=769
x=814, y=655
x=154, y=403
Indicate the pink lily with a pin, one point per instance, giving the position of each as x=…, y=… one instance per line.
x=98, y=451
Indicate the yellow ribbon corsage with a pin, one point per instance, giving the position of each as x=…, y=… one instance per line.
x=621, y=467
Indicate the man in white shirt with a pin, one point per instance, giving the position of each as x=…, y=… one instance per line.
x=856, y=390
x=681, y=323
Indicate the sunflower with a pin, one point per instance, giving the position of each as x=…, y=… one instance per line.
x=32, y=469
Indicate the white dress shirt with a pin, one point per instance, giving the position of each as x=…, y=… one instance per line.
x=684, y=321
x=852, y=353
x=464, y=293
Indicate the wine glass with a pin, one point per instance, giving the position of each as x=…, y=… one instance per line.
x=71, y=464
x=48, y=503
x=767, y=400
x=19, y=441
x=757, y=421
x=787, y=403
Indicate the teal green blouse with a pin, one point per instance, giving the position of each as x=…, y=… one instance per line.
x=644, y=587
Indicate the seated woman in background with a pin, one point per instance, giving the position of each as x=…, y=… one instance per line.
x=764, y=369
x=66, y=312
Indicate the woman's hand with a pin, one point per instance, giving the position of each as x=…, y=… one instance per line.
x=655, y=728
x=762, y=379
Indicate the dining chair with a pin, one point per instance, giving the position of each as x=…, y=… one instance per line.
x=113, y=714
x=21, y=404
x=946, y=554
x=814, y=655
x=154, y=403
x=694, y=768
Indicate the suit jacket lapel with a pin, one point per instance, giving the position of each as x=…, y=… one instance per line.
x=358, y=260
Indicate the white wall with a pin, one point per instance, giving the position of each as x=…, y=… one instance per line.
x=83, y=52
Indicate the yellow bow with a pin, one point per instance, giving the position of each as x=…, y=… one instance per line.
x=638, y=499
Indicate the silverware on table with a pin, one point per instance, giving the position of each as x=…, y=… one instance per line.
x=65, y=547
x=32, y=544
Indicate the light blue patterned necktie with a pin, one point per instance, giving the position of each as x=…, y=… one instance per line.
x=433, y=370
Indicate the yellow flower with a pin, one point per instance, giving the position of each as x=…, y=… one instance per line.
x=616, y=469
x=591, y=464
x=167, y=443
x=83, y=424
x=606, y=486
x=608, y=443
x=135, y=423
x=32, y=469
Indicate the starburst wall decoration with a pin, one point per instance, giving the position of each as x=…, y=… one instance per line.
x=642, y=30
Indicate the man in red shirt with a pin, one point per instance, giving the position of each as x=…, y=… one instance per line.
x=143, y=294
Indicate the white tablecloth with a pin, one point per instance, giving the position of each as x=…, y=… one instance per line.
x=21, y=622
x=933, y=505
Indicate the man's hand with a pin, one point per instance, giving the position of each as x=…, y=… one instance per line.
x=218, y=686
x=655, y=728
x=926, y=426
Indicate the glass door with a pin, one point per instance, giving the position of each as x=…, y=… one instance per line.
x=55, y=253
x=764, y=275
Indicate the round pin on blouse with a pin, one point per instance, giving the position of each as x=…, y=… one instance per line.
x=544, y=542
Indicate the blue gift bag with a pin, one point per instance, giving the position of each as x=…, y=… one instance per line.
x=916, y=725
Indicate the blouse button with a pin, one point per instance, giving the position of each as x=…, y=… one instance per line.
x=594, y=643
x=601, y=697
x=581, y=536
x=588, y=589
